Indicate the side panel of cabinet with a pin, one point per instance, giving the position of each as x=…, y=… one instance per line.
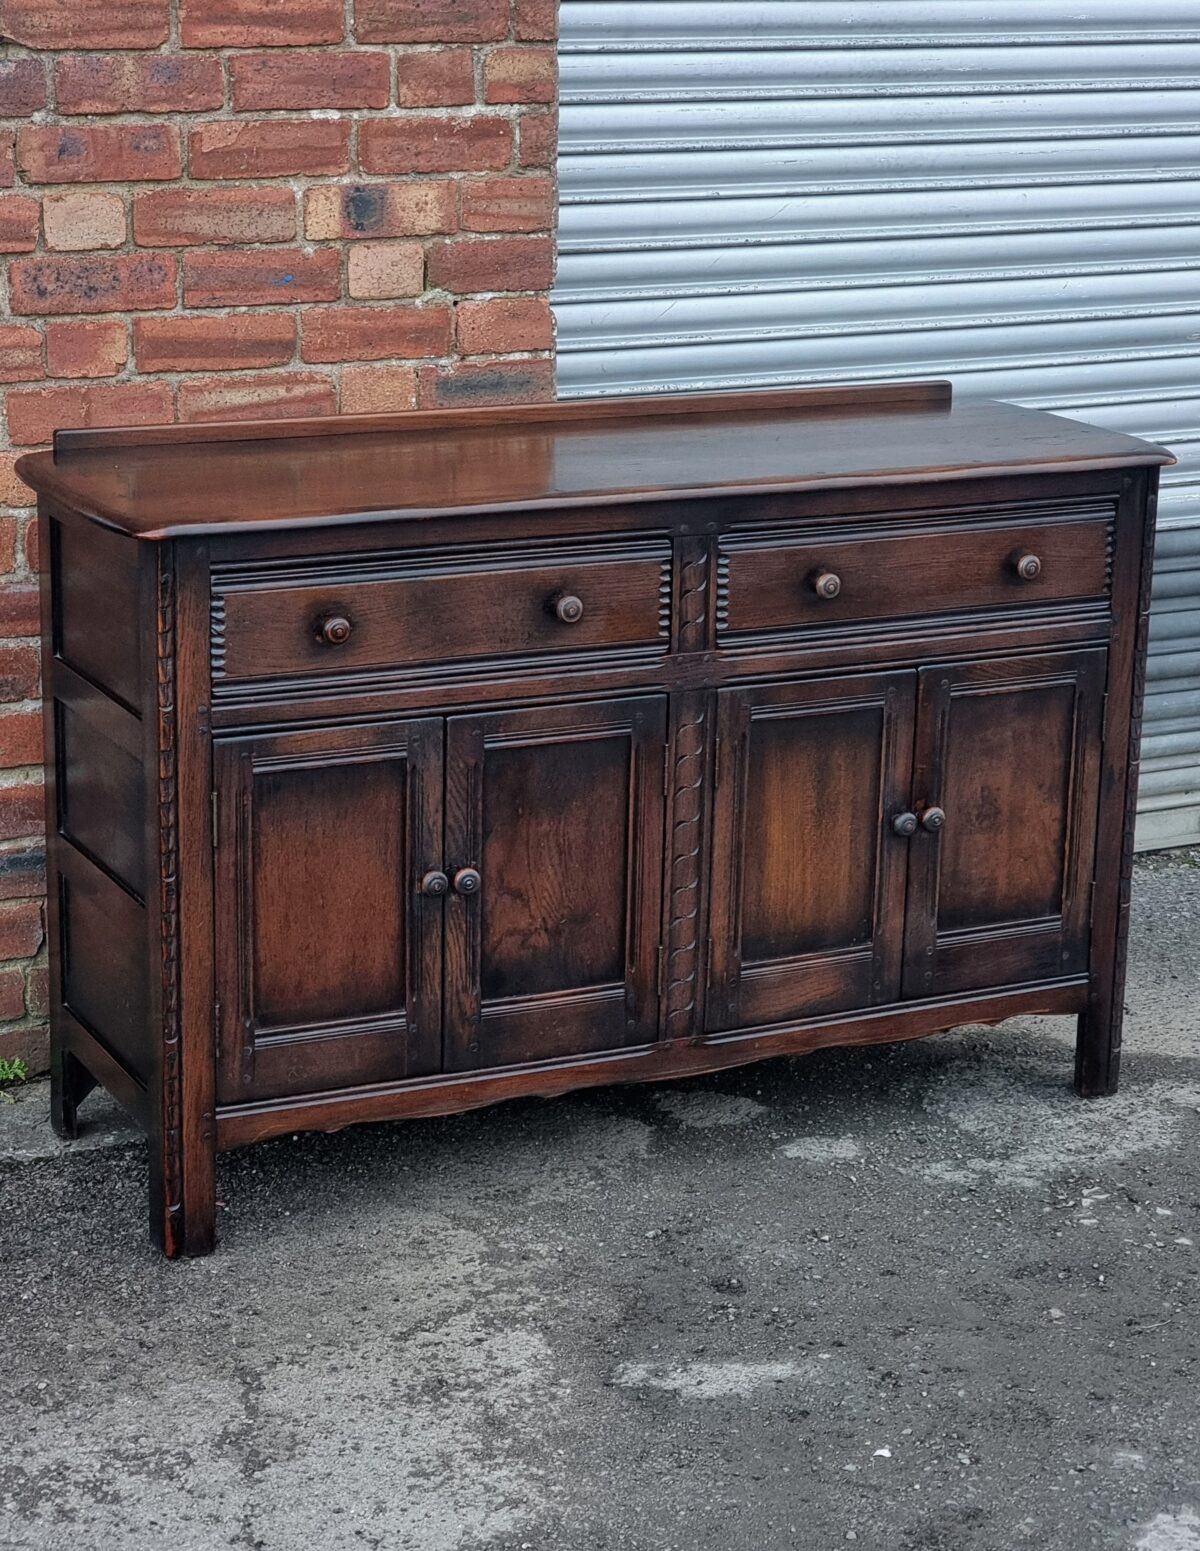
x=561, y=811
x=1010, y=751
x=808, y=877
x=328, y=954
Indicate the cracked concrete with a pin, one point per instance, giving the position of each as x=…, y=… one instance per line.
x=917, y=1298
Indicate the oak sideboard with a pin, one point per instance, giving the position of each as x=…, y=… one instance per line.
x=396, y=765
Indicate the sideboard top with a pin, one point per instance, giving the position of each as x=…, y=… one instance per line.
x=165, y=482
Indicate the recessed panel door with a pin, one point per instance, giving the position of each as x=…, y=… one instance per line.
x=1006, y=787
x=554, y=843
x=808, y=871
x=329, y=948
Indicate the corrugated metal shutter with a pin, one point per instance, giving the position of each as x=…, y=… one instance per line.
x=1005, y=192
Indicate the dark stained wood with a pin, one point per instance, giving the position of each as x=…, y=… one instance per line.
x=328, y=951
x=769, y=582
x=1010, y=750
x=467, y=603
x=671, y=736
x=156, y=490
x=561, y=812
x=97, y=625
x=807, y=875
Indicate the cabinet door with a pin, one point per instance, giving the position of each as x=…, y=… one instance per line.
x=560, y=812
x=808, y=875
x=1009, y=751
x=329, y=954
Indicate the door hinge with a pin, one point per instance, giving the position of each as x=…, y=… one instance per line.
x=662, y=971
x=216, y=818
x=718, y=745
x=217, y=1029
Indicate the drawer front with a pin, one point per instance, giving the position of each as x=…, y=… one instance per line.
x=774, y=583
x=283, y=619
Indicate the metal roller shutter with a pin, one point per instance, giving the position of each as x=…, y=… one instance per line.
x=1005, y=192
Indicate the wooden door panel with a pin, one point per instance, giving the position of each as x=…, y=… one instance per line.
x=808, y=879
x=561, y=811
x=329, y=956
x=1010, y=751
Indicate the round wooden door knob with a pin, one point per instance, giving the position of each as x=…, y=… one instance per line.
x=467, y=881
x=905, y=824
x=826, y=584
x=569, y=608
x=335, y=630
x=1028, y=567
x=933, y=819
x=435, y=884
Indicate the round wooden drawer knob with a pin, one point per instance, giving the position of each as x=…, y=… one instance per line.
x=335, y=630
x=826, y=584
x=435, y=884
x=905, y=824
x=569, y=608
x=933, y=819
x=467, y=881
x=1028, y=567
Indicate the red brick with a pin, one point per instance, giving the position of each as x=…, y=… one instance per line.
x=34, y=414
x=468, y=264
x=20, y=611
x=270, y=148
x=505, y=324
x=18, y=223
x=349, y=210
x=261, y=23
x=37, y=994
x=13, y=492
x=32, y=544
x=187, y=216
x=267, y=397
x=430, y=21
x=296, y=80
x=8, y=169
x=378, y=271
x=81, y=219
x=508, y=204
x=57, y=24
x=19, y=675
x=537, y=19
x=12, y=994
x=208, y=344
x=521, y=74
x=490, y=382
x=20, y=353
x=93, y=283
x=378, y=390
x=375, y=333
x=89, y=347
x=268, y=276
x=21, y=812
x=462, y=144
x=123, y=83
x=9, y=527
x=22, y=87
x=23, y=867
x=538, y=138
x=105, y=153
x=20, y=738
x=435, y=78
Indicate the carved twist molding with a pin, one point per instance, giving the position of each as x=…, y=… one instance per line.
x=693, y=602
x=683, y=929
x=168, y=864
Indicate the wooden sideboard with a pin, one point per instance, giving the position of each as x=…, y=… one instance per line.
x=399, y=765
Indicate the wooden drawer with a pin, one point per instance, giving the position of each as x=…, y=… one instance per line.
x=288, y=619
x=778, y=582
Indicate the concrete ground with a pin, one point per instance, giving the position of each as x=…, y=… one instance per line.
x=917, y=1297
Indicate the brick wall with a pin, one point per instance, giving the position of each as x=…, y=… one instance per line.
x=216, y=209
